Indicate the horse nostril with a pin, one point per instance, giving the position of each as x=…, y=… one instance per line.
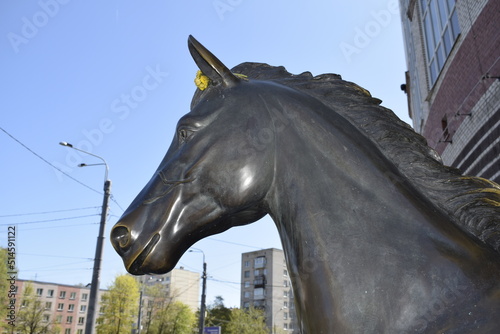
x=120, y=236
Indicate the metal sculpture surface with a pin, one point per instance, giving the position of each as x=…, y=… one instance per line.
x=379, y=236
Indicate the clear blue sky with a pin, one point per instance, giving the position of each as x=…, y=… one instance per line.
x=113, y=77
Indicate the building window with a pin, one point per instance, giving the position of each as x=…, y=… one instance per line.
x=67, y=331
x=246, y=304
x=247, y=264
x=247, y=284
x=79, y=331
x=441, y=29
x=48, y=305
x=285, y=326
x=46, y=318
x=259, y=262
x=259, y=304
x=285, y=315
x=84, y=297
x=58, y=319
x=285, y=293
x=71, y=307
x=83, y=308
x=285, y=304
x=446, y=137
x=72, y=295
x=258, y=293
x=285, y=272
x=60, y=307
x=39, y=292
x=62, y=294
x=246, y=273
x=81, y=320
x=69, y=319
x=246, y=294
x=285, y=283
x=50, y=293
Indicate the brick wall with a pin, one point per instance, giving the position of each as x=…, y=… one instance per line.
x=462, y=87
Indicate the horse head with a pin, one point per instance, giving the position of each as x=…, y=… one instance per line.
x=208, y=181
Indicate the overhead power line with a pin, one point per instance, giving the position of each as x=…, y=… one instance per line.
x=58, y=256
x=58, y=226
x=49, y=220
x=234, y=243
x=48, y=163
x=46, y=212
x=56, y=168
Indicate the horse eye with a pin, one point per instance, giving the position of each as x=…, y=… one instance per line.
x=184, y=134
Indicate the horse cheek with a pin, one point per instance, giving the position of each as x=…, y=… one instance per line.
x=246, y=150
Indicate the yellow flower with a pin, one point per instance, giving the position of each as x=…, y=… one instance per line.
x=201, y=80
x=241, y=76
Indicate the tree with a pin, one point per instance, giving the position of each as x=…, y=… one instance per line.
x=156, y=299
x=31, y=318
x=4, y=283
x=218, y=314
x=251, y=321
x=174, y=318
x=119, y=306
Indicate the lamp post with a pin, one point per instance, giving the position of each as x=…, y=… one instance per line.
x=94, y=285
x=274, y=319
x=203, y=290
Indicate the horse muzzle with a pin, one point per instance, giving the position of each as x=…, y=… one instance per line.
x=133, y=260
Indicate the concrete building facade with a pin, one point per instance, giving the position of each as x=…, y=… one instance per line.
x=180, y=285
x=266, y=285
x=453, y=80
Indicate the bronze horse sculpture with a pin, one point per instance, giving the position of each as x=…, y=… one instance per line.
x=379, y=235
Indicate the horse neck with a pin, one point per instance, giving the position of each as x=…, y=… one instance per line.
x=344, y=213
x=330, y=177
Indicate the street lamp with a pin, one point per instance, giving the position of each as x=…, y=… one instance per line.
x=203, y=290
x=94, y=285
x=274, y=319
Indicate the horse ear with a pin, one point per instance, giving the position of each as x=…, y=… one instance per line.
x=210, y=65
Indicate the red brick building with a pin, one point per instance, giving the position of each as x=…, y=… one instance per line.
x=64, y=305
x=453, y=80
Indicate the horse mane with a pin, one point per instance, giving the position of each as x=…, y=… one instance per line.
x=473, y=203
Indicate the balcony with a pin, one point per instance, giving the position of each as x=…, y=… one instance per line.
x=259, y=281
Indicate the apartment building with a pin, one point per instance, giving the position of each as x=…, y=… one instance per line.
x=453, y=80
x=64, y=305
x=180, y=285
x=67, y=305
x=266, y=285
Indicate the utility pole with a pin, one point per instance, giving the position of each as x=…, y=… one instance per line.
x=203, y=290
x=140, y=310
x=203, y=297
x=94, y=285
